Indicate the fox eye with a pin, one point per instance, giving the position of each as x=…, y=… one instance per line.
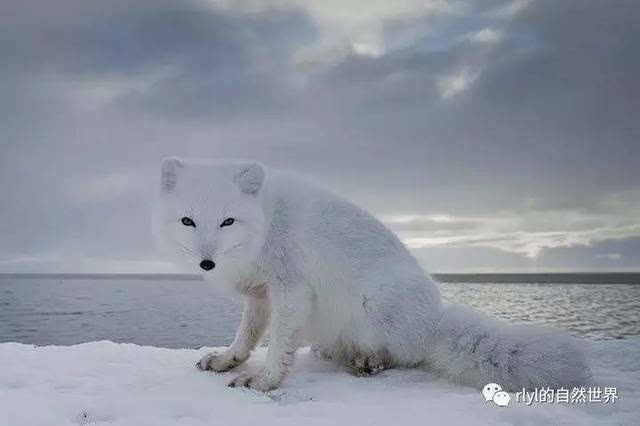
x=227, y=222
x=187, y=221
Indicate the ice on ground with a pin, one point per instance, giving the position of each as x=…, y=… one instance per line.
x=105, y=383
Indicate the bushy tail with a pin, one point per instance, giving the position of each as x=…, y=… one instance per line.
x=473, y=349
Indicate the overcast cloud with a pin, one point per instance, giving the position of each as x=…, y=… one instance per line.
x=491, y=135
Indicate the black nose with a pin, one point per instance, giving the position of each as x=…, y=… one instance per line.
x=207, y=265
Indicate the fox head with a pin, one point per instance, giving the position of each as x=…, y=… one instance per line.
x=210, y=215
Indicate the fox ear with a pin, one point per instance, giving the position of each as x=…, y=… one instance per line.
x=249, y=178
x=171, y=167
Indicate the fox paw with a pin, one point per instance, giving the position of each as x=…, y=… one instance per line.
x=219, y=362
x=367, y=365
x=260, y=381
x=321, y=353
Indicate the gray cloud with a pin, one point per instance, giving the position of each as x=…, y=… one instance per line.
x=605, y=256
x=513, y=118
x=619, y=254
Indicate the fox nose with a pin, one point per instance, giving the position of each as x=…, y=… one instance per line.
x=207, y=265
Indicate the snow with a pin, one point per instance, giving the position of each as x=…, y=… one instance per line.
x=105, y=383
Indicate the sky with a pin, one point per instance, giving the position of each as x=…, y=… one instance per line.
x=489, y=135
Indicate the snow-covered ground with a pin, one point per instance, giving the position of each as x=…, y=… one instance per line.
x=124, y=384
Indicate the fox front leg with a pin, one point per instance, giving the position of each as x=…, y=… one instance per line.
x=255, y=318
x=290, y=307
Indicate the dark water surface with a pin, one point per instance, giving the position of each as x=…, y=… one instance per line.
x=181, y=312
x=167, y=313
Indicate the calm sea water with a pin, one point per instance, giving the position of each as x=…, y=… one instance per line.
x=187, y=313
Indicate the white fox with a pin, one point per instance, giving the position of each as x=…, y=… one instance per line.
x=320, y=270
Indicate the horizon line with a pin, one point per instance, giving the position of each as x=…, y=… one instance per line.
x=600, y=277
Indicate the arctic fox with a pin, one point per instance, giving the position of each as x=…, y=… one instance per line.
x=320, y=270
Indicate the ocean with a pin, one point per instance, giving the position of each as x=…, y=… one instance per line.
x=185, y=312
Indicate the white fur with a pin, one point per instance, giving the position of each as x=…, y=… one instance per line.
x=321, y=270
